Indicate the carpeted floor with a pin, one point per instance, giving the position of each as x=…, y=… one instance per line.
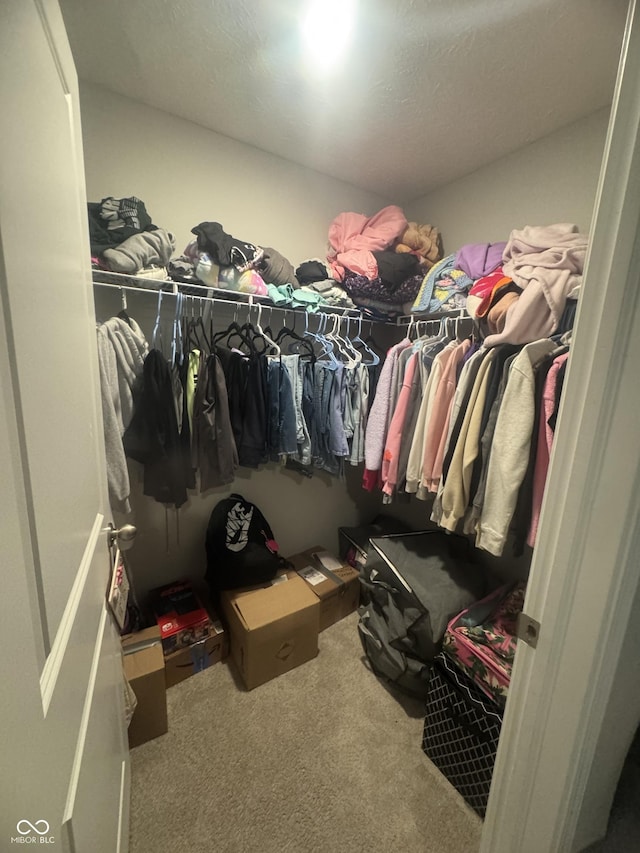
x=323, y=758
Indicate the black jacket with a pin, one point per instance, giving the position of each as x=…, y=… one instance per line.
x=152, y=436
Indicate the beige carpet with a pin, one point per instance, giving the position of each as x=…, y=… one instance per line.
x=323, y=758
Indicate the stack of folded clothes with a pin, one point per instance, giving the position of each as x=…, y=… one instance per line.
x=381, y=261
x=124, y=239
x=218, y=259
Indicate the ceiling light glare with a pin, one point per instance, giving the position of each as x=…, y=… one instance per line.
x=326, y=30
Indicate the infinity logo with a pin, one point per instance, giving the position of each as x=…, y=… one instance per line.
x=32, y=827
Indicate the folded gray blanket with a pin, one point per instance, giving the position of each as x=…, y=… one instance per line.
x=149, y=248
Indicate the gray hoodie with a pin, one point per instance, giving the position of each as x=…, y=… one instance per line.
x=122, y=348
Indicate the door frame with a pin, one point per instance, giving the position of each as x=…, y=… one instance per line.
x=584, y=574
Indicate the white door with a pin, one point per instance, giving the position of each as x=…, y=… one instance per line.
x=65, y=770
x=574, y=700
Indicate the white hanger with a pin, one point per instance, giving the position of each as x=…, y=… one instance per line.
x=260, y=331
x=156, y=327
x=375, y=358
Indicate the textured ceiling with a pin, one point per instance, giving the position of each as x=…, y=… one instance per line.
x=427, y=91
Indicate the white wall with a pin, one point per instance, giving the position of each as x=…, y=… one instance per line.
x=551, y=180
x=186, y=174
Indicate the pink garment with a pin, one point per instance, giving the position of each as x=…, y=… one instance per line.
x=439, y=421
x=376, y=432
x=547, y=264
x=545, y=442
x=353, y=237
x=394, y=435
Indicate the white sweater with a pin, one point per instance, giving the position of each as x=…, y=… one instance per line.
x=510, y=448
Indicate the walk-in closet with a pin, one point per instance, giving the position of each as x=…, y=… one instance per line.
x=319, y=324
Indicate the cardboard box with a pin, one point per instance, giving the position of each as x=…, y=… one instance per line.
x=335, y=583
x=144, y=669
x=180, y=615
x=188, y=661
x=273, y=627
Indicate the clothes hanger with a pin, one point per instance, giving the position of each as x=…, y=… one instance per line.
x=308, y=335
x=357, y=356
x=375, y=358
x=234, y=330
x=270, y=341
x=410, y=327
x=157, y=333
x=327, y=346
x=352, y=358
x=123, y=314
x=196, y=328
x=177, y=352
x=296, y=341
x=331, y=335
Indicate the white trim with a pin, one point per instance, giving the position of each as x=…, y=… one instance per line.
x=53, y=43
x=123, y=811
x=610, y=647
x=547, y=748
x=53, y=663
x=84, y=721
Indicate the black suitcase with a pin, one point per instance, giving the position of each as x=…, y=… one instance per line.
x=413, y=584
x=353, y=542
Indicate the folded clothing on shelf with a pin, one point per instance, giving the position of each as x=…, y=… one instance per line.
x=114, y=220
x=276, y=269
x=146, y=249
x=443, y=288
x=224, y=249
x=359, y=286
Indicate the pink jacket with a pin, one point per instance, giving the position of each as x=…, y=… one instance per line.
x=394, y=435
x=376, y=432
x=545, y=442
x=353, y=237
x=436, y=436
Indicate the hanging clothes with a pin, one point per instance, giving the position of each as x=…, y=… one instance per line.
x=295, y=369
x=442, y=405
x=390, y=459
x=359, y=406
x=213, y=448
x=455, y=495
x=379, y=418
x=152, y=436
x=122, y=348
x=545, y=440
x=282, y=436
x=509, y=455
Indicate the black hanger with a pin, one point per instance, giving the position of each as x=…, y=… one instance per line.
x=297, y=341
x=232, y=331
x=195, y=328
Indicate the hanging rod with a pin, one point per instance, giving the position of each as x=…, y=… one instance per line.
x=407, y=319
x=138, y=284
x=141, y=284
x=200, y=297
